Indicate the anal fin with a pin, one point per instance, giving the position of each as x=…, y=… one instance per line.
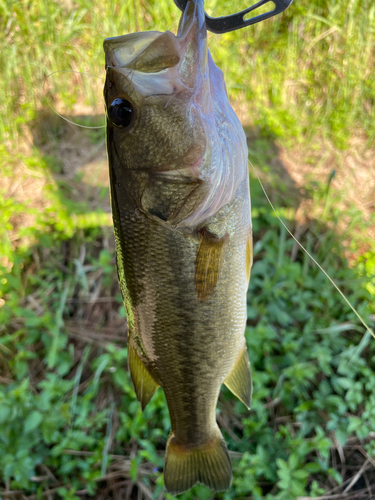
x=144, y=384
x=239, y=381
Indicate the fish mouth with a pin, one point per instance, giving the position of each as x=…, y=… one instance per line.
x=120, y=51
x=154, y=51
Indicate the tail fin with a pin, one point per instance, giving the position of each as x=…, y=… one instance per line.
x=208, y=463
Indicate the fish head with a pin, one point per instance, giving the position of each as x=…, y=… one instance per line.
x=166, y=106
x=148, y=93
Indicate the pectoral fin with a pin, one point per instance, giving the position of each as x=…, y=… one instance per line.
x=208, y=263
x=239, y=381
x=144, y=384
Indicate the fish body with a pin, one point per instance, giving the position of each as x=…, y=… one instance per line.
x=181, y=212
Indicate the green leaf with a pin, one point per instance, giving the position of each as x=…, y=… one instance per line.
x=336, y=475
x=4, y=413
x=313, y=467
x=283, y=474
x=300, y=474
x=293, y=461
x=281, y=464
x=33, y=420
x=134, y=468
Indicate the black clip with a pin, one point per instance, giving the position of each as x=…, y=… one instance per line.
x=237, y=21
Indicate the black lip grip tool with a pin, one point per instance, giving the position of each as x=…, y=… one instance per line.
x=236, y=21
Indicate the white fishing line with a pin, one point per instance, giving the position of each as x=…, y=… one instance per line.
x=369, y=330
x=63, y=117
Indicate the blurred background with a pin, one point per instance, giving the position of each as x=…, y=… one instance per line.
x=70, y=427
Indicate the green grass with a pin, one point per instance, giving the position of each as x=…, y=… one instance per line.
x=305, y=73
x=70, y=424
x=67, y=405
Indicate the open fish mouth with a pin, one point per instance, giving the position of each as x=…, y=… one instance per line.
x=121, y=50
x=191, y=135
x=154, y=52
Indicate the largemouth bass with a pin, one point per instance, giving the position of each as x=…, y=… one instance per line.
x=181, y=212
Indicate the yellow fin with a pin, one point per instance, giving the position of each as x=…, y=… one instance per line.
x=249, y=255
x=208, y=264
x=239, y=381
x=208, y=463
x=144, y=384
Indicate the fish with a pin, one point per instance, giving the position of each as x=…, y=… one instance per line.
x=180, y=202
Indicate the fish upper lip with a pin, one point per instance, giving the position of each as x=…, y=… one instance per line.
x=111, y=60
x=110, y=45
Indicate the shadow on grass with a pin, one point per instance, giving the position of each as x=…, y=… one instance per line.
x=76, y=157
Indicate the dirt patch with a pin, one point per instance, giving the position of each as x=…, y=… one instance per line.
x=350, y=178
x=354, y=170
x=53, y=155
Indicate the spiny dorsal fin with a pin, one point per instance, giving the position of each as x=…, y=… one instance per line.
x=162, y=53
x=144, y=384
x=208, y=263
x=239, y=381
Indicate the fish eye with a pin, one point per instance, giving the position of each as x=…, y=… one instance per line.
x=121, y=113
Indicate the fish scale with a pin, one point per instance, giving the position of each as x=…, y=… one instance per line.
x=181, y=211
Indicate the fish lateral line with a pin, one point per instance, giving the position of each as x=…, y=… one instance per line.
x=346, y=300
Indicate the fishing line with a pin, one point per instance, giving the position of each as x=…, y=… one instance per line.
x=63, y=117
x=369, y=330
